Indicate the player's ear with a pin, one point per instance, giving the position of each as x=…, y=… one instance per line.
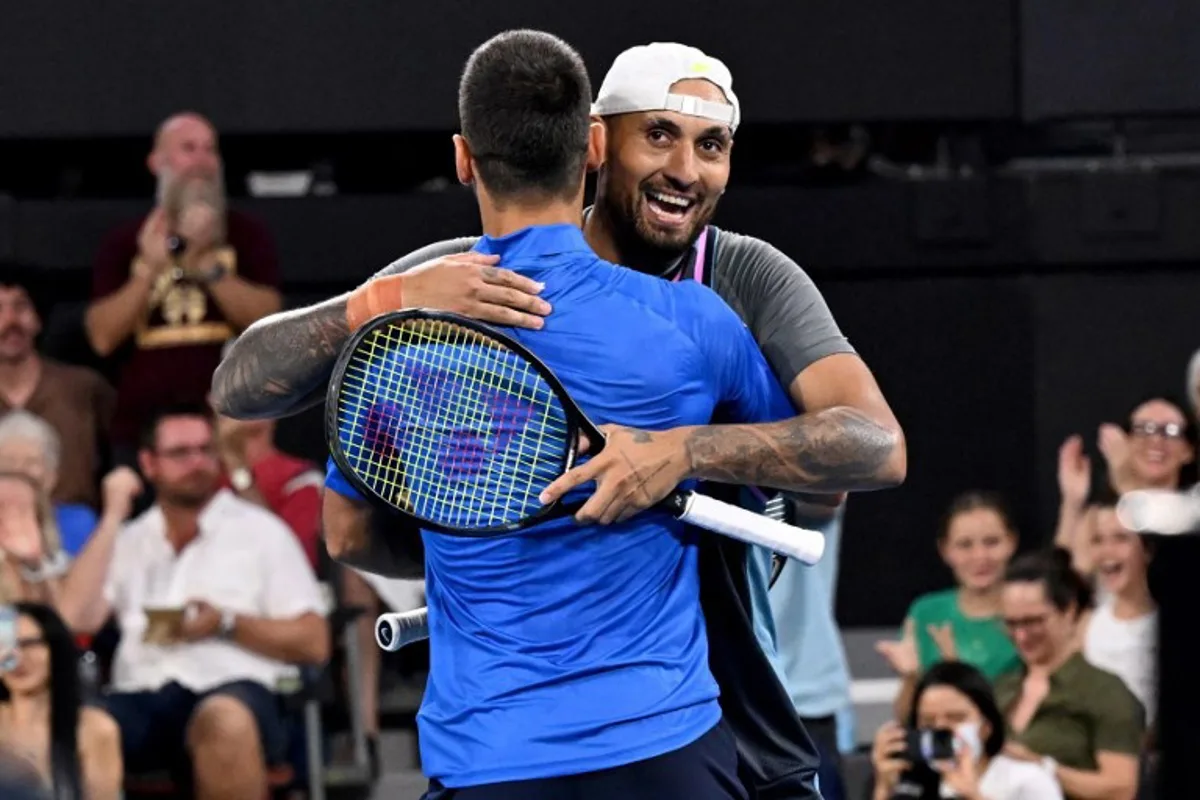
x=596, y=145
x=462, y=161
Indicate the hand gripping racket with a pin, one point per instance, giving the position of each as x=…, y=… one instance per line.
x=460, y=428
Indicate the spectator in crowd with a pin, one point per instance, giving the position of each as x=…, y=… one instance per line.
x=29, y=444
x=976, y=540
x=74, y=749
x=1121, y=635
x=1153, y=452
x=955, y=696
x=77, y=402
x=216, y=603
x=1078, y=722
x=809, y=642
x=33, y=567
x=31, y=561
x=170, y=289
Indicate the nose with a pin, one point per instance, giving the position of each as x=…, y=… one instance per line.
x=681, y=168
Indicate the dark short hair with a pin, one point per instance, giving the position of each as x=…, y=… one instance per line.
x=523, y=106
x=975, y=500
x=971, y=682
x=1065, y=588
x=31, y=280
x=149, y=432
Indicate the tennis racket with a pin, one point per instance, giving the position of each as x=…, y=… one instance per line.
x=393, y=631
x=460, y=427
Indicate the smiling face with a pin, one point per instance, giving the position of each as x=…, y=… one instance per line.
x=665, y=171
x=1040, y=631
x=1120, y=554
x=977, y=546
x=1159, y=448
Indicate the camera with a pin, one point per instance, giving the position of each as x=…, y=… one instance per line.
x=929, y=745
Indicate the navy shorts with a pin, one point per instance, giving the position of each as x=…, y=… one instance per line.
x=154, y=724
x=706, y=769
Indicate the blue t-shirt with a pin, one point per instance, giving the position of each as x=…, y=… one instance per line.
x=75, y=526
x=566, y=649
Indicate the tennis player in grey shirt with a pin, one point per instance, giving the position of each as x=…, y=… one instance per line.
x=670, y=115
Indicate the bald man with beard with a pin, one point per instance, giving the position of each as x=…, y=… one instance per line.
x=169, y=289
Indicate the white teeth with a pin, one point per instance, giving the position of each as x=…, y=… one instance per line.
x=670, y=200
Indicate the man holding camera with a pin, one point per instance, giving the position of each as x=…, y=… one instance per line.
x=168, y=290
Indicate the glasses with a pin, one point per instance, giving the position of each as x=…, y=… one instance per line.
x=1168, y=430
x=183, y=452
x=1014, y=624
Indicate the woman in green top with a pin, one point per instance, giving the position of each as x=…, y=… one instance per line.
x=976, y=540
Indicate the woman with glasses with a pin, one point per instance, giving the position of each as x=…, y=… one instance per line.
x=976, y=540
x=1155, y=450
x=75, y=750
x=957, y=697
x=1078, y=722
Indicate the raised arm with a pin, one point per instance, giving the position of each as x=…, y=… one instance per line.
x=279, y=366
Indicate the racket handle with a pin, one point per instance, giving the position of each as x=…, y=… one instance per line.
x=1159, y=511
x=738, y=523
x=393, y=631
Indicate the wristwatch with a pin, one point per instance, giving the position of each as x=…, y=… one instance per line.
x=242, y=479
x=228, y=623
x=213, y=273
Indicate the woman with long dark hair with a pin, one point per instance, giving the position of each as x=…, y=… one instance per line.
x=957, y=697
x=75, y=749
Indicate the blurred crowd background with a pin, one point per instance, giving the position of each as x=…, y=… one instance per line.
x=997, y=200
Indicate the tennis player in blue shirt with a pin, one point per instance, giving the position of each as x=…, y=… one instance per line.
x=568, y=660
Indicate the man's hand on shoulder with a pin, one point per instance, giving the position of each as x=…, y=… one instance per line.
x=635, y=470
x=469, y=284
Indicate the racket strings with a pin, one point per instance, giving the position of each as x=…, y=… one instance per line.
x=450, y=425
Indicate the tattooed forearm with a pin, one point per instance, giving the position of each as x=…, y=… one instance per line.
x=280, y=364
x=835, y=450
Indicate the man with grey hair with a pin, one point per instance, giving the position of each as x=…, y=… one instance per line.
x=169, y=289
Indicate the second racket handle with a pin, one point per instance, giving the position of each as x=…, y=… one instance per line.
x=394, y=631
x=714, y=515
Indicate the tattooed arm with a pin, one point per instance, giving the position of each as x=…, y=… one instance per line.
x=850, y=442
x=280, y=365
x=848, y=439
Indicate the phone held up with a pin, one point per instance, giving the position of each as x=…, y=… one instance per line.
x=928, y=746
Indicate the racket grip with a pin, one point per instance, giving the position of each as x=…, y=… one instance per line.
x=738, y=523
x=1159, y=511
x=394, y=631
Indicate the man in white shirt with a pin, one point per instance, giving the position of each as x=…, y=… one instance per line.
x=201, y=683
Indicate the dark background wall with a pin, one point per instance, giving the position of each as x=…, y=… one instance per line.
x=1025, y=285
